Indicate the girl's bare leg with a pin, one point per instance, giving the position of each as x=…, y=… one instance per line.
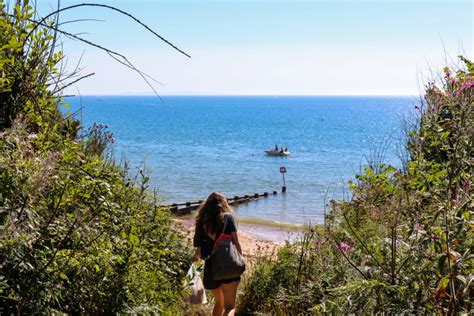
x=230, y=292
x=218, y=301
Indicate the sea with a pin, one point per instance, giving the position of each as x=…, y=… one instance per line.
x=193, y=145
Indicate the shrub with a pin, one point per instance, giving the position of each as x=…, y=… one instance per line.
x=297, y=278
x=406, y=235
x=78, y=233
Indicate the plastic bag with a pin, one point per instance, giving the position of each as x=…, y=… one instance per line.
x=195, y=286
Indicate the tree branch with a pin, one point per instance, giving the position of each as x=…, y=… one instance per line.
x=111, y=8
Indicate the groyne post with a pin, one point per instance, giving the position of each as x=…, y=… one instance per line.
x=283, y=171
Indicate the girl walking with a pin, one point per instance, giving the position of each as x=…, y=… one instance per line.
x=214, y=218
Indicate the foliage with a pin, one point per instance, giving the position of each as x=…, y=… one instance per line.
x=78, y=233
x=297, y=279
x=406, y=235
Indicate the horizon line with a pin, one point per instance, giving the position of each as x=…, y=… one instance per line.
x=242, y=95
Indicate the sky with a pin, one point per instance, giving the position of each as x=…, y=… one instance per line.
x=268, y=47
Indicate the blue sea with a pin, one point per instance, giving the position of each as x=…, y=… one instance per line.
x=194, y=145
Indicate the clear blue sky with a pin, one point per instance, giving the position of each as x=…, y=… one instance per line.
x=272, y=47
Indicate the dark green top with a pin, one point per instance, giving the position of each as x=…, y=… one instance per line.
x=205, y=242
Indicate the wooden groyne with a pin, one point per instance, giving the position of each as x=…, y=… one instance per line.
x=180, y=209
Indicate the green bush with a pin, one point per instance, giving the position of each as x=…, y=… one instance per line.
x=300, y=276
x=406, y=235
x=78, y=233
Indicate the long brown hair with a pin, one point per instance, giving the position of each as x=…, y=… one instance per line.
x=210, y=214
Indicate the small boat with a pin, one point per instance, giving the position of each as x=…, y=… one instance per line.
x=274, y=152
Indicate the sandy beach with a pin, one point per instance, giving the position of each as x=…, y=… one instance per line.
x=255, y=240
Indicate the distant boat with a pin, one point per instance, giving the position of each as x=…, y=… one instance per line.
x=100, y=99
x=274, y=152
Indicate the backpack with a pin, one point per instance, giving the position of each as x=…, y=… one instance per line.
x=227, y=262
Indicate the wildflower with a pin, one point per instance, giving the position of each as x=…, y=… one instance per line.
x=375, y=214
x=419, y=226
x=467, y=84
x=447, y=72
x=320, y=241
x=343, y=247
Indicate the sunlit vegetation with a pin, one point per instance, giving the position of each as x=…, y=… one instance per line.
x=403, y=242
x=78, y=232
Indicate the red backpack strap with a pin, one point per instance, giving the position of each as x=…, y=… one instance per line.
x=223, y=235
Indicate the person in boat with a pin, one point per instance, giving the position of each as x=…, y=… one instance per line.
x=209, y=225
x=286, y=149
x=281, y=150
x=276, y=147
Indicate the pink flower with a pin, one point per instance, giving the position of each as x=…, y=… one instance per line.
x=343, y=247
x=438, y=92
x=320, y=241
x=376, y=214
x=467, y=84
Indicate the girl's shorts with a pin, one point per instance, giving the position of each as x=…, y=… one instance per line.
x=209, y=282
